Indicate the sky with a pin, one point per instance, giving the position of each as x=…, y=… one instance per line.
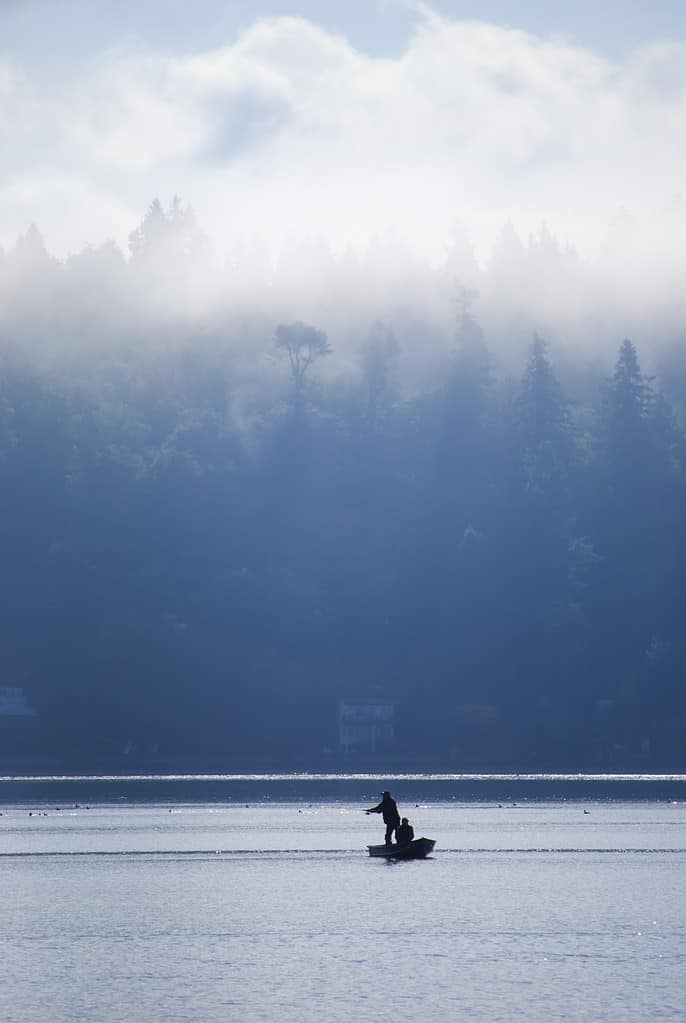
x=344, y=121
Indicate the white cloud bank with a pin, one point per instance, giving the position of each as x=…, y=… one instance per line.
x=289, y=131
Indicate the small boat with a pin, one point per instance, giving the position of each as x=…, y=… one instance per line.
x=418, y=849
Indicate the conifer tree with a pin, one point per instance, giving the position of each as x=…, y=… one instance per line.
x=625, y=415
x=541, y=412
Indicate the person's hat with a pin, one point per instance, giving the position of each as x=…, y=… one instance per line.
x=385, y=793
x=405, y=820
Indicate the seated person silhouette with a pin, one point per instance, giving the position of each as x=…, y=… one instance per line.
x=404, y=832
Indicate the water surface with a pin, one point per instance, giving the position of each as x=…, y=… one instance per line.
x=269, y=908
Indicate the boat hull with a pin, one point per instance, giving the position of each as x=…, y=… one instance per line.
x=418, y=849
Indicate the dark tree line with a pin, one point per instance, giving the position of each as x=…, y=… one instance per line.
x=175, y=580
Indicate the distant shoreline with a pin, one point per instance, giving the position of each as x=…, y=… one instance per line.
x=305, y=776
x=509, y=789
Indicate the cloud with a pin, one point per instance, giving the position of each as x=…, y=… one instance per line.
x=290, y=131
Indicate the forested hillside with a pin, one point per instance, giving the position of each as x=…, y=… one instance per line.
x=221, y=515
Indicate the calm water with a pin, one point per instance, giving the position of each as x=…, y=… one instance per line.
x=248, y=905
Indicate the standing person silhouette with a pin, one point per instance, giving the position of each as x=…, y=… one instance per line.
x=387, y=807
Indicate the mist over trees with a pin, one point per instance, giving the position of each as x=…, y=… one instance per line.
x=234, y=495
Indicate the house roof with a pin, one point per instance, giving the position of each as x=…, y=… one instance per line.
x=14, y=703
